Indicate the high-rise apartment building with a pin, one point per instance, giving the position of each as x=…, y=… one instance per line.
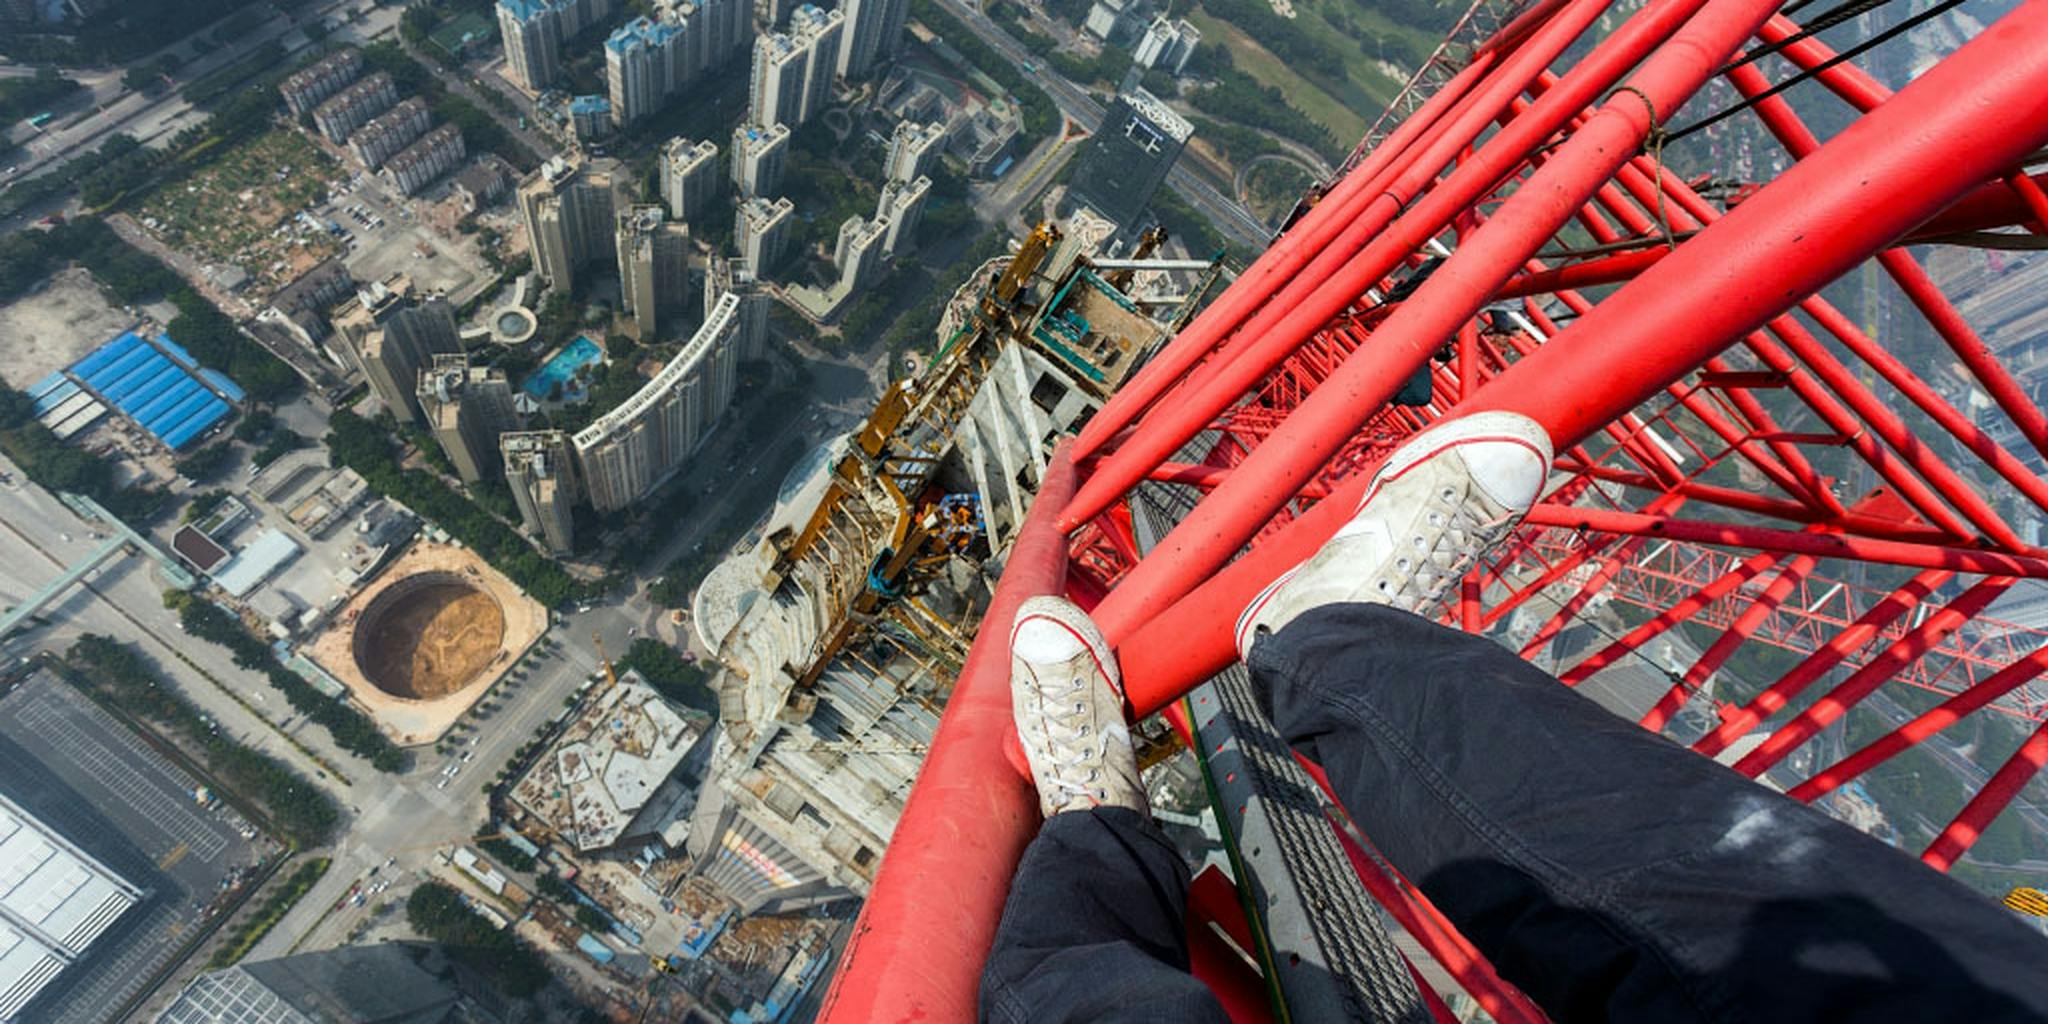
x=913, y=150
x=734, y=277
x=531, y=32
x=1127, y=160
x=308, y=86
x=689, y=177
x=728, y=28
x=649, y=60
x=858, y=253
x=540, y=468
x=819, y=33
x=874, y=32
x=654, y=265
x=643, y=60
x=793, y=70
x=775, y=90
x=590, y=117
x=773, y=14
x=390, y=131
x=570, y=206
x=416, y=166
x=1168, y=44
x=633, y=449
x=534, y=31
x=392, y=337
x=758, y=158
x=901, y=207
x=353, y=107
x=762, y=232
x=467, y=408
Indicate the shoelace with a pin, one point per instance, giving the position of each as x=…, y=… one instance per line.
x=1423, y=575
x=1072, y=762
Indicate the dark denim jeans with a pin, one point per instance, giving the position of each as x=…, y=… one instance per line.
x=1610, y=874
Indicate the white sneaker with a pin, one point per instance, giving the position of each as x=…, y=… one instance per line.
x=1067, y=698
x=1436, y=505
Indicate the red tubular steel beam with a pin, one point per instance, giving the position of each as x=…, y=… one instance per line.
x=1718, y=653
x=1824, y=545
x=1602, y=576
x=1279, y=263
x=1943, y=715
x=1663, y=621
x=1799, y=141
x=1328, y=417
x=1737, y=723
x=1332, y=286
x=1977, y=815
x=918, y=945
x=1851, y=691
x=1972, y=118
x=1763, y=505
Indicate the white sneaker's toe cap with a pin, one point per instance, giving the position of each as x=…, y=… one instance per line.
x=1510, y=472
x=1041, y=640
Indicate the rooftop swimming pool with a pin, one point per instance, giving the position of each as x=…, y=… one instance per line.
x=563, y=368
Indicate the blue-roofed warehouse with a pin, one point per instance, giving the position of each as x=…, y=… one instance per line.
x=158, y=385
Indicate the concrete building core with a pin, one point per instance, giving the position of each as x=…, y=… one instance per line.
x=829, y=691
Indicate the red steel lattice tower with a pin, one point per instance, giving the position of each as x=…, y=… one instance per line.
x=1746, y=453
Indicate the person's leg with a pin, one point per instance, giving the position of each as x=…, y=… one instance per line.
x=1607, y=872
x=1611, y=874
x=1094, y=927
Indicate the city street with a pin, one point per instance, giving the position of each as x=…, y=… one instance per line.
x=155, y=118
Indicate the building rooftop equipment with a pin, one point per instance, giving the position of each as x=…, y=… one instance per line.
x=607, y=764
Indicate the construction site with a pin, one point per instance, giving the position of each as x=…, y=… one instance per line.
x=426, y=638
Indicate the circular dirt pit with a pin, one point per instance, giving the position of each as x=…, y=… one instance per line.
x=428, y=636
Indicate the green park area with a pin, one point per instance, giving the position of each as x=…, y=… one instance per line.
x=1338, y=63
x=232, y=209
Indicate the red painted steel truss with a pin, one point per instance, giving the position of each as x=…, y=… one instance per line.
x=1774, y=426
